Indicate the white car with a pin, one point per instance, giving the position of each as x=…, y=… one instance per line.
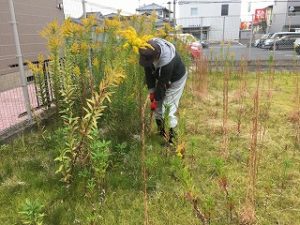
x=297, y=46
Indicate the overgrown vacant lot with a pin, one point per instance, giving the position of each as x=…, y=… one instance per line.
x=223, y=170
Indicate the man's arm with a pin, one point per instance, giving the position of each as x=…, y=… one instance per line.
x=150, y=79
x=164, y=80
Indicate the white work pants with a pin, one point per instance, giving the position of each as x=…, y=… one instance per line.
x=171, y=100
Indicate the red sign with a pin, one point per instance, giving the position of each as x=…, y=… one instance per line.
x=260, y=15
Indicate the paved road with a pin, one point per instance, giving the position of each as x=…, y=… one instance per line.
x=253, y=53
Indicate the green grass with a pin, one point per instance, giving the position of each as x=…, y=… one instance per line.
x=27, y=168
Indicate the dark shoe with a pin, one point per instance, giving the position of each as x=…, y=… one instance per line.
x=161, y=128
x=172, y=136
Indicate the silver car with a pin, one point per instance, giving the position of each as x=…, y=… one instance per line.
x=297, y=46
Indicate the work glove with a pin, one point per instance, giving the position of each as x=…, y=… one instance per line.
x=152, y=96
x=153, y=105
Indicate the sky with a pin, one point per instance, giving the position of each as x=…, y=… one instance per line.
x=74, y=7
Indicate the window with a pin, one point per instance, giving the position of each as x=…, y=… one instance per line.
x=194, y=11
x=224, y=10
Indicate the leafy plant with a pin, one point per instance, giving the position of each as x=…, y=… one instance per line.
x=79, y=131
x=100, y=151
x=32, y=213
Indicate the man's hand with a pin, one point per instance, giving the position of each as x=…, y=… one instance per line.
x=152, y=96
x=153, y=105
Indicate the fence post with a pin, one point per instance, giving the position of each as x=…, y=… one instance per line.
x=201, y=29
x=223, y=38
x=20, y=59
x=251, y=38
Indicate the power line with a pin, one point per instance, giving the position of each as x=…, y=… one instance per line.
x=235, y=2
x=103, y=6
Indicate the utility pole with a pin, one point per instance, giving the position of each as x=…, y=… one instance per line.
x=174, y=12
x=20, y=59
x=224, y=20
x=83, y=8
x=251, y=37
x=169, y=4
x=201, y=29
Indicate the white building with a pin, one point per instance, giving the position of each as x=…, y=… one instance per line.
x=214, y=21
x=286, y=16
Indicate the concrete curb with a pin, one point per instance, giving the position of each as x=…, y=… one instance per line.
x=289, y=65
x=12, y=131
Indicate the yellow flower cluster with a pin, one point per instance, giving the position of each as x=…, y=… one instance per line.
x=69, y=28
x=113, y=24
x=96, y=63
x=75, y=48
x=53, y=35
x=134, y=40
x=180, y=150
x=164, y=31
x=99, y=30
x=37, y=69
x=51, y=29
x=89, y=21
x=76, y=71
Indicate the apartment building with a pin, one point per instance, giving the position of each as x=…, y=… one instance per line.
x=286, y=16
x=214, y=21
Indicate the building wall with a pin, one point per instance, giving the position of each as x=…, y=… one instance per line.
x=279, y=16
x=283, y=20
x=32, y=16
x=209, y=15
x=293, y=18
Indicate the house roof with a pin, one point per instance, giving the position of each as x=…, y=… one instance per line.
x=98, y=15
x=152, y=7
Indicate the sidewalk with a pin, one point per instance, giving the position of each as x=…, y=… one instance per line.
x=12, y=106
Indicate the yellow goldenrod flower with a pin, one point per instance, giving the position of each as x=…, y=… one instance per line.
x=112, y=23
x=69, y=28
x=34, y=68
x=99, y=30
x=54, y=43
x=89, y=21
x=134, y=40
x=76, y=71
x=75, y=48
x=180, y=150
x=41, y=59
x=179, y=155
x=51, y=29
x=96, y=63
x=84, y=46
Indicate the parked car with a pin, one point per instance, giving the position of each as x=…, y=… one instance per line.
x=281, y=40
x=259, y=42
x=297, y=46
x=194, y=45
x=204, y=44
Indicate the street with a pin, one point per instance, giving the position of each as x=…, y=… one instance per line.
x=241, y=51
